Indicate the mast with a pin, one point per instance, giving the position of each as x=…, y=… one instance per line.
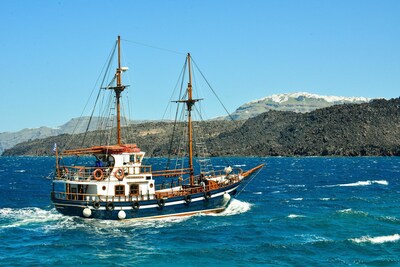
x=118, y=90
x=190, y=102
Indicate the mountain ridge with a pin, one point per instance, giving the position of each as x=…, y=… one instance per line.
x=300, y=102
x=366, y=129
x=285, y=97
x=297, y=102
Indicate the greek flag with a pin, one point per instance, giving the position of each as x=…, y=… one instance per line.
x=55, y=147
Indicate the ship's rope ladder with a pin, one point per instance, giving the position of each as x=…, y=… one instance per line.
x=205, y=163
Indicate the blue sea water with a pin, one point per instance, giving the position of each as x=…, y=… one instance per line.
x=296, y=212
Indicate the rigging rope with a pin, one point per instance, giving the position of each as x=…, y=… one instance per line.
x=154, y=47
x=176, y=114
x=230, y=116
x=209, y=85
x=111, y=56
x=253, y=176
x=107, y=63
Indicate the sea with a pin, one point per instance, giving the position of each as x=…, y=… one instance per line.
x=312, y=211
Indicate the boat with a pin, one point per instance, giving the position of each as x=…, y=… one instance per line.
x=117, y=186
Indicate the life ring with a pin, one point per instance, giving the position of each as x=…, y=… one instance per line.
x=161, y=203
x=119, y=174
x=96, y=205
x=135, y=205
x=98, y=174
x=110, y=206
x=207, y=196
x=188, y=199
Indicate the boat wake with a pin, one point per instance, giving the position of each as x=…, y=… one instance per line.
x=50, y=220
x=10, y=218
x=377, y=239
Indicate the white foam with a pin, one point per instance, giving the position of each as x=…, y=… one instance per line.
x=382, y=182
x=355, y=212
x=239, y=165
x=297, y=185
x=345, y=211
x=326, y=199
x=364, y=183
x=361, y=183
x=292, y=216
x=148, y=223
x=234, y=208
x=377, y=239
x=298, y=199
x=308, y=238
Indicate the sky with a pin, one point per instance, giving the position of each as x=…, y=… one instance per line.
x=52, y=52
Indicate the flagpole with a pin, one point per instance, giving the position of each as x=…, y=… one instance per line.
x=57, y=168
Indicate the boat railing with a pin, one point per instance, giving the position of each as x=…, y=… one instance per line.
x=210, y=182
x=84, y=173
x=101, y=198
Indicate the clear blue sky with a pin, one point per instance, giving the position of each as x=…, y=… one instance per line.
x=51, y=52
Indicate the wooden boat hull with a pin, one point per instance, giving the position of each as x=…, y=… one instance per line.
x=212, y=201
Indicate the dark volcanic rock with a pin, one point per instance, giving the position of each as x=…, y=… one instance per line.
x=344, y=130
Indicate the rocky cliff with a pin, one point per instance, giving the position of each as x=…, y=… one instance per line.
x=367, y=129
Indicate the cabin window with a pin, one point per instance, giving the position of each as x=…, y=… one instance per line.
x=132, y=158
x=134, y=190
x=120, y=190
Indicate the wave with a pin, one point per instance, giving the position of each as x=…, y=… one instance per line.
x=292, y=216
x=297, y=185
x=361, y=183
x=310, y=239
x=239, y=165
x=326, y=198
x=390, y=219
x=353, y=212
x=377, y=239
x=298, y=199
